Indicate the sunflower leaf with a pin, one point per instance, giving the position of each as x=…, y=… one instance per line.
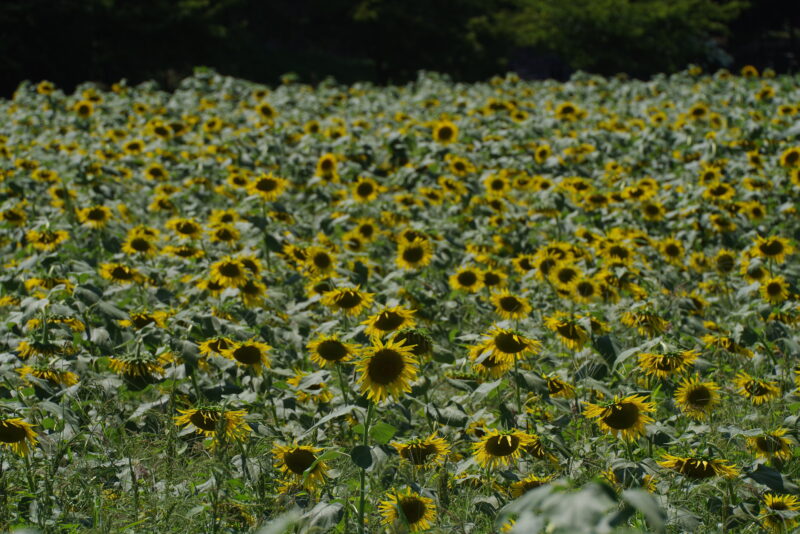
x=382, y=432
x=647, y=505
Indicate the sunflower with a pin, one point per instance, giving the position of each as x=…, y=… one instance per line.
x=17, y=435
x=84, y=108
x=139, y=320
x=120, y=273
x=327, y=351
x=252, y=293
x=664, y=365
x=185, y=228
x=423, y=452
x=790, y=157
x=46, y=240
x=558, y=388
x=319, y=261
x=365, y=189
x=268, y=187
x=774, y=248
x=772, y=445
x=510, y=306
x=508, y=345
x=775, y=289
x=627, y=416
x=312, y=388
x=94, y=216
x=14, y=216
x=486, y=363
x=327, y=168
x=216, y=423
x=419, y=341
x=351, y=301
x=389, y=320
x=229, y=272
x=386, y=369
x=414, y=254
x=696, y=467
x=141, y=365
x=215, y=346
x=646, y=322
x=50, y=373
x=519, y=488
x=225, y=233
x=300, y=463
x=568, y=328
x=184, y=251
x=500, y=447
x=445, y=132
x=467, y=279
x=252, y=354
x=758, y=391
x=139, y=244
x=774, y=510
x=697, y=399
x=156, y=171
x=405, y=507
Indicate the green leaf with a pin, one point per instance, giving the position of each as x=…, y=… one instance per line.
x=361, y=456
x=647, y=505
x=382, y=432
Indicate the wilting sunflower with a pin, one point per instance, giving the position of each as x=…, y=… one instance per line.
x=407, y=508
x=445, y=132
x=386, y=369
x=558, y=388
x=215, y=346
x=389, y=320
x=664, y=365
x=139, y=320
x=267, y=187
x=252, y=354
x=327, y=351
x=775, y=289
x=774, y=248
x=519, y=488
x=120, y=273
x=772, y=445
x=414, y=254
x=216, y=423
x=570, y=332
x=774, y=510
x=141, y=365
x=17, y=435
x=52, y=374
x=695, y=398
x=627, y=416
x=419, y=341
x=697, y=467
x=423, y=452
x=229, y=272
x=296, y=460
x=646, y=322
x=510, y=306
x=351, y=301
x=485, y=362
x=94, y=216
x=498, y=447
x=758, y=391
x=310, y=387
x=185, y=228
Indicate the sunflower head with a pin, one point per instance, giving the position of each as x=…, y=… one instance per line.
x=698, y=467
x=697, y=399
x=386, y=369
x=327, y=351
x=216, y=423
x=627, y=416
x=407, y=508
x=500, y=447
x=300, y=463
x=424, y=452
x=17, y=435
x=351, y=301
x=389, y=320
x=251, y=354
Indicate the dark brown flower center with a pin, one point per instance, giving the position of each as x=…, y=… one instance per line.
x=467, y=278
x=622, y=415
x=348, y=299
x=299, y=460
x=140, y=244
x=389, y=320
x=205, y=419
x=230, y=270
x=772, y=247
x=413, y=254
x=331, y=350
x=322, y=260
x=385, y=366
x=510, y=304
x=419, y=452
x=121, y=273
x=769, y=444
x=699, y=396
x=445, y=133
x=11, y=432
x=364, y=189
x=247, y=354
x=501, y=445
x=266, y=185
x=509, y=343
x=413, y=509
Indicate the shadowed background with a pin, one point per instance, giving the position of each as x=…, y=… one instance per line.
x=71, y=41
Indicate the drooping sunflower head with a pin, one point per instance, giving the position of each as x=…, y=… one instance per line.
x=389, y=320
x=507, y=344
x=419, y=341
x=627, y=416
x=775, y=248
x=500, y=447
x=120, y=273
x=17, y=435
x=215, y=346
x=664, y=365
x=296, y=461
x=424, y=452
x=558, y=388
x=50, y=372
x=698, y=467
x=519, y=488
x=328, y=350
x=697, y=399
x=405, y=507
x=568, y=328
x=778, y=512
x=386, y=369
x=141, y=365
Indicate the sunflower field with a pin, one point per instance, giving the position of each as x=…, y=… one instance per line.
x=457, y=308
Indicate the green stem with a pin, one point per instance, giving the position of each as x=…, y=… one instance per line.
x=363, y=494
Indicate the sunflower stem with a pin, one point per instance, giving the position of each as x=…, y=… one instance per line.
x=342, y=384
x=363, y=494
x=517, y=377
